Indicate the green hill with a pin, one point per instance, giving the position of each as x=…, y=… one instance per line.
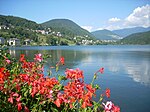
x=105, y=35
x=67, y=28
x=18, y=22
x=137, y=38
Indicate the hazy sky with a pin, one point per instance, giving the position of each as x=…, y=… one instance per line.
x=89, y=14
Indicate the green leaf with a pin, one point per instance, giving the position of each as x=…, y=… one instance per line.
x=49, y=73
x=60, y=78
x=101, y=98
x=97, y=86
x=26, y=92
x=57, y=68
x=54, y=109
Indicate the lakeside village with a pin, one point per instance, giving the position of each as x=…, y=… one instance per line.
x=77, y=40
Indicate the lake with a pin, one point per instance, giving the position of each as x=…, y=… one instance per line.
x=127, y=69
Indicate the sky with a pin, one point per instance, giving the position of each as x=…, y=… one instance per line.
x=89, y=14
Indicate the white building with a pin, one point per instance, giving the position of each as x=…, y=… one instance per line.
x=13, y=42
x=27, y=42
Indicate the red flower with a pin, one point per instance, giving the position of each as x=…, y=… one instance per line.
x=38, y=57
x=86, y=100
x=1, y=72
x=1, y=75
x=74, y=74
x=19, y=106
x=59, y=99
x=18, y=87
x=116, y=109
x=107, y=92
x=57, y=102
x=22, y=59
x=10, y=99
x=8, y=61
x=26, y=109
x=91, y=90
x=101, y=70
x=62, y=60
x=34, y=91
x=84, y=105
x=15, y=94
x=18, y=99
x=24, y=77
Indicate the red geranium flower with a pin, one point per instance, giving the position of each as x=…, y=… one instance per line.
x=38, y=57
x=107, y=92
x=62, y=60
x=59, y=99
x=18, y=99
x=101, y=70
x=116, y=109
x=22, y=59
x=1, y=72
x=19, y=106
x=74, y=74
x=26, y=109
x=10, y=99
x=8, y=61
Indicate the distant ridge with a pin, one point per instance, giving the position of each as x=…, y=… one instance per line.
x=105, y=35
x=128, y=31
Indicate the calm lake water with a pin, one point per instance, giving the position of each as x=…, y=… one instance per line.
x=127, y=70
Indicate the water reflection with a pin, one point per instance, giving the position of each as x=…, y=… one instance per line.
x=134, y=63
x=140, y=72
x=12, y=53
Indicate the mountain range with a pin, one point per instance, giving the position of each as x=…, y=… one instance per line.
x=105, y=35
x=24, y=28
x=118, y=34
x=128, y=31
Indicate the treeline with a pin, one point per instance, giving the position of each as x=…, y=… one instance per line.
x=17, y=32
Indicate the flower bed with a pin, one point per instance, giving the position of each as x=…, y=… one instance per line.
x=23, y=87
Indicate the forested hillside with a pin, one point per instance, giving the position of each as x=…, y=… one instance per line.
x=67, y=27
x=54, y=32
x=19, y=22
x=137, y=38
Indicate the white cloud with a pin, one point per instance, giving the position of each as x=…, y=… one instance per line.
x=139, y=17
x=88, y=28
x=114, y=19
